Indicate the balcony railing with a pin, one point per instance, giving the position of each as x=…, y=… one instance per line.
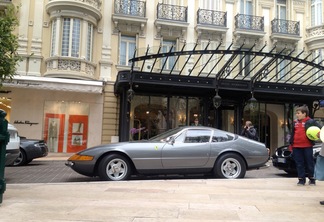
x=70, y=67
x=249, y=22
x=281, y=26
x=210, y=17
x=172, y=12
x=315, y=32
x=130, y=7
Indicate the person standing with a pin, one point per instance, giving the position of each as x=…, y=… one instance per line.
x=302, y=147
x=249, y=131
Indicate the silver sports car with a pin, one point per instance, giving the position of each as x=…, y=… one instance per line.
x=184, y=150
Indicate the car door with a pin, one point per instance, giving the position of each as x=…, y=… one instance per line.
x=191, y=149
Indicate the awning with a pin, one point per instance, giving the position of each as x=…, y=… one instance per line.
x=55, y=84
x=276, y=74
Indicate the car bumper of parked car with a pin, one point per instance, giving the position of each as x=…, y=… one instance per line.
x=286, y=164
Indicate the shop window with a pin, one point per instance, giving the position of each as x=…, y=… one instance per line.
x=66, y=126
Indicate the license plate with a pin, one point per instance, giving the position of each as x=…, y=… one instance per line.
x=281, y=160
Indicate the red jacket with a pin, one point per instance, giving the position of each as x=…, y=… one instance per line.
x=300, y=139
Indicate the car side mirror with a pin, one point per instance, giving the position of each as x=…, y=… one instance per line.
x=170, y=140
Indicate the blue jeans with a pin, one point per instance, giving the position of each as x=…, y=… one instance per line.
x=304, y=161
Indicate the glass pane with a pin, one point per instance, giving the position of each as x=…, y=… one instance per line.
x=66, y=37
x=122, y=53
x=76, y=38
x=89, y=41
x=53, y=37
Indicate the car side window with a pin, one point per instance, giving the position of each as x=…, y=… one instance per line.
x=197, y=136
x=220, y=136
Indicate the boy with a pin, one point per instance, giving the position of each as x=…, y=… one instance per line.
x=302, y=147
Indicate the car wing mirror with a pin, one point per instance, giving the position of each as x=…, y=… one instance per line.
x=170, y=140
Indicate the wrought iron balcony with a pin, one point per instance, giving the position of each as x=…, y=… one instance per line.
x=172, y=12
x=210, y=17
x=130, y=7
x=282, y=26
x=249, y=22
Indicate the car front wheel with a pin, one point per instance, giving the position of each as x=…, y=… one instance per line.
x=230, y=166
x=114, y=167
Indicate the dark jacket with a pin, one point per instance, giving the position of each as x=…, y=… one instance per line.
x=250, y=133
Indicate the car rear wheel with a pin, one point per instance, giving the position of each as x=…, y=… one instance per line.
x=114, y=168
x=21, y=159
x=230, y=166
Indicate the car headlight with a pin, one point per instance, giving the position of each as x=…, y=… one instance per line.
x=80, y=157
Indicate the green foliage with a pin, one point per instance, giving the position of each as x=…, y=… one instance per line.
x=8, y=43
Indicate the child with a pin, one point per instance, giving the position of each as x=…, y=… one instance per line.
x=302, y=147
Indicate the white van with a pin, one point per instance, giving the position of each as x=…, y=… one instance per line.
x=12, y=149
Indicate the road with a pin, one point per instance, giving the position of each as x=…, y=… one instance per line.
x=55, y=171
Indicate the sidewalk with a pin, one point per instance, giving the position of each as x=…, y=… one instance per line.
x=272, y=199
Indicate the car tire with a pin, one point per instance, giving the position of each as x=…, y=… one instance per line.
x=21, y=159
x=114, y=167
x=230, y=166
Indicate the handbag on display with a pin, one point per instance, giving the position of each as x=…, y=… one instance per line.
x=319, y=168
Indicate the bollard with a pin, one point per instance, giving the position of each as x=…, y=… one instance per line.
x=4, y=139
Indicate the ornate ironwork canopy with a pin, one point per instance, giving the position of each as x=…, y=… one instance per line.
x=276, y=74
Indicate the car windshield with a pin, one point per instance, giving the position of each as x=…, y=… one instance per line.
x=165, y=135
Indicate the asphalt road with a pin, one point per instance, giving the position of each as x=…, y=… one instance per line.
x=55, y=171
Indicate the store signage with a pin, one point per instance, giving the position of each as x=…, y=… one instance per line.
x=24, y=122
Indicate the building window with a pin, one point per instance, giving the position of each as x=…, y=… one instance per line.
x=53, y=45
x=208, y=61
x=245, y=65
x=66, y=38
x=71, y=37
x=316, y=12
x=281, y=69
x=126, y=49
x=168, y=46
x=246, y=7
x=318, y=56
x=89, y=42
x=210, y=5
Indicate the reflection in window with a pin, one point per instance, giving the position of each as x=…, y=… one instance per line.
x=220, y=136
x=197, y=136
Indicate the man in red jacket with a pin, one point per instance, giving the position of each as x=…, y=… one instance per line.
x=302, y=147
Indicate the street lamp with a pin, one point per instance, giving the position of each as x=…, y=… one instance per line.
x=130, y=95
x=253, y=103
x=217, y=100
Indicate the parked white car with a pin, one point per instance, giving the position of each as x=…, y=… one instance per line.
x=12, y=149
